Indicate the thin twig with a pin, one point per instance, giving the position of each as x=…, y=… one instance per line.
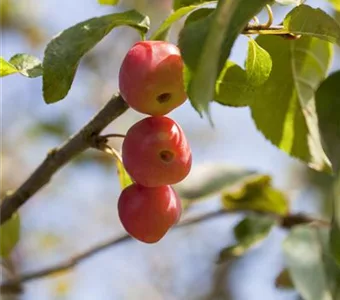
x=13, y=284
x=278, y=30
x=58, y=157
x=260, y=29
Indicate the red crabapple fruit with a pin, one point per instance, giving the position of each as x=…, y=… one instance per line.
x=156, y=152
x=151, y=78
x=148, y=213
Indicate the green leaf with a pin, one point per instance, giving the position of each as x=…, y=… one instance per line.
x=27, y=65
x=234, y=84
x=124, y=178
x=284, y=107
x=314, y=273
x=208, y=179
x=258, y=64
x=298, y=21
x=108, y=2
x=9, y=235
x=206, y=44
x=6, y=68
x=249, y=232
x=257, y=194
x=328, y=110
x=284, y=280
x=63, y=53
x=59, y=127
x=175, y=16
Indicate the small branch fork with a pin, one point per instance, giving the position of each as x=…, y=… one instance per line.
x=14, y=285
x=267, y=28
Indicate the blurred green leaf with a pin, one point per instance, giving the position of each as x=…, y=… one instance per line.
x=327, y=100
x=336, y=4
x=201, y=43
x=58, y=128
x=314, y=273
x=335, y=239
x=208, y=179
x=284, y=107
x=328, y=110
x=177, y=4
x=332, y=269
x=63, y=53
x=9, y=235
x=284, y=280
x=257, y=194
x=108, y=2
x=248, y=233
x=323, y=26
x=288, y=2
x=234, y=84
x=6, y=68
x=175, y=16
x=124, y=178
x=27, y=65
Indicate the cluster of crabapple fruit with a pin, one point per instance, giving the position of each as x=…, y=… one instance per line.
x=155, y=151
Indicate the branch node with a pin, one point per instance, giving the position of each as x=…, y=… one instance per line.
x=52, y=152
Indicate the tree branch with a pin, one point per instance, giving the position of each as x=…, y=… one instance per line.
x=58, y=157
x=14, y=284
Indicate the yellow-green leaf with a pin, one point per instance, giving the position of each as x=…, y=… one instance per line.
x=258, y=64
x=124, y=178
x=6, y=68
x=257, y=194
x=108, y=2
x=234, y=84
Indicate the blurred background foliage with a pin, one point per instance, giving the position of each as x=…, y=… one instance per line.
x=78, y=209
